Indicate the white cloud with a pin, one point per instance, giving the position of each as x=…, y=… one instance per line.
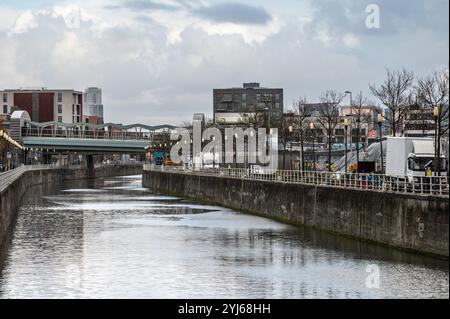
x=350, y=40
x=24, y=22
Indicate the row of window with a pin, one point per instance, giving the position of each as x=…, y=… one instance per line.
x=246, y=107
x=5, y=109
x=60, y=98
x=259, y=97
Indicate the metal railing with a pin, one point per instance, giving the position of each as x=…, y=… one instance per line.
x=436, y=186
x=86, y=134
x=8, y=177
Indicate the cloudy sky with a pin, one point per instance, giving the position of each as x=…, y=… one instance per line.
x=158, y=60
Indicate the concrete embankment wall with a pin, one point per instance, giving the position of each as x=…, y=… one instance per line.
x=11, y=197
x=409, y=222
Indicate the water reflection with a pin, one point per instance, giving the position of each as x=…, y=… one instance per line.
x=114, y=239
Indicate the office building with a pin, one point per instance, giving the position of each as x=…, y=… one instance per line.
x=235, y=106
x=92, y=106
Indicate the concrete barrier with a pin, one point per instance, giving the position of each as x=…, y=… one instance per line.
x=11, y=196
x=409, y=222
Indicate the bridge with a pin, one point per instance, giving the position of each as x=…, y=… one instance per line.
x=55, y=137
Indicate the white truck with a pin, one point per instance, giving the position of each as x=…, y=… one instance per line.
x=412, y=157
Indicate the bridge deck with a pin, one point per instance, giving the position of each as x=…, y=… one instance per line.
x=90, y=145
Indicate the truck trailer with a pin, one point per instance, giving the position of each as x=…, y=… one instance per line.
x=412, y=157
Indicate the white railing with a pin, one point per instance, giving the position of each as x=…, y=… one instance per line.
x=8, y=177
x=437, y=186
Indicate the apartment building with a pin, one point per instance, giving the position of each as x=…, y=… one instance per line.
x=233, y=104
x=45, y=105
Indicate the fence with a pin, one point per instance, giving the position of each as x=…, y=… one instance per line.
x=8, y=177
x=436, y=186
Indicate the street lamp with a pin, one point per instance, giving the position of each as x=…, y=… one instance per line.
x=436, y=113
x=268, y=116
x=291, y=130
x=312, y=127
x=346, y=123
x=214, y=153
x=380, y=125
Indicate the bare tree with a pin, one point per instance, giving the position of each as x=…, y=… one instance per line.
x=362, y=118
x=433, y=92
x=253, y=117
x=395, y=94
x=303, y=120
x=329, y=116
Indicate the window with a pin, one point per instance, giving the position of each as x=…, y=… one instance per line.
x=423, y=163
x=277, y=97
x=244, y=97
x=258, y=97
x=73, y=109
x=5, y=97
x=59, y=97
x=60, y=119
x=59, y=108
x=277, y=105
x=5, y=109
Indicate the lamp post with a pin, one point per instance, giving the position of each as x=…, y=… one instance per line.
x=214, y=153
x=346, y=136
x=268, y=116
x=291, y=130
x=436, y=141
x=380, y=125
x=312, y=127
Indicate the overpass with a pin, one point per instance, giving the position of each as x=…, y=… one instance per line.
x=56, y=137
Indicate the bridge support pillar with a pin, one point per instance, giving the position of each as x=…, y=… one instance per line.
x=90, y=165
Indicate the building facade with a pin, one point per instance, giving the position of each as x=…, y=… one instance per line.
x=419, y=122
x=236, y=105
x=45, y=105
x=93, y=106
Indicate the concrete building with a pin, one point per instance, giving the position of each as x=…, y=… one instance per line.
x=45, y=105
x=232, y=106
x=92, y=106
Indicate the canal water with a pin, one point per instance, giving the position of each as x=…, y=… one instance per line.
x=114, y=239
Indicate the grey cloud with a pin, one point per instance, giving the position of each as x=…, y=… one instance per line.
x=396, y=16
x=145, y=79
x=140, y=5
x=234, y=13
